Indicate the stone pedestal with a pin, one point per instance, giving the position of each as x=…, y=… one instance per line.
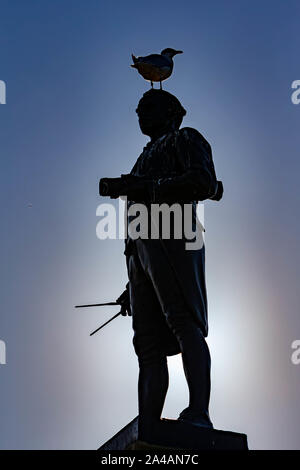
x=176, y=435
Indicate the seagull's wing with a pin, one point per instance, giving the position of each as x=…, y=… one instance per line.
x=155, y=59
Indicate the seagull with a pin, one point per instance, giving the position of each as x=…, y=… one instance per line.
x=155, y=67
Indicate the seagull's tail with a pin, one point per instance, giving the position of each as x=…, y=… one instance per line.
x=135, y=59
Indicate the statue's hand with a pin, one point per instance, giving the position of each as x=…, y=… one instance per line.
x=124, y=301
x=134, y=187
x=111, y=187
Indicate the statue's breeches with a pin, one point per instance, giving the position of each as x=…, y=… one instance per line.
x=160, y=313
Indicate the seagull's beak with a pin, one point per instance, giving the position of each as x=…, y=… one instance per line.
x=179, y=52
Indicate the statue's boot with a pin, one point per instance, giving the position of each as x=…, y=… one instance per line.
x=200, y=419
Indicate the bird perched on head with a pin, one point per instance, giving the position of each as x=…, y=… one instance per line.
x=155, y=67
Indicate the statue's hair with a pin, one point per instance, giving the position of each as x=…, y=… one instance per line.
x=165, y=99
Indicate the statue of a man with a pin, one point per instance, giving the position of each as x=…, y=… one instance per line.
x=166, y=289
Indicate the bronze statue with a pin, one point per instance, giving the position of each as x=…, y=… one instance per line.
x=166, y=293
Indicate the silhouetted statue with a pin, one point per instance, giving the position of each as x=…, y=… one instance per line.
x=166, y=293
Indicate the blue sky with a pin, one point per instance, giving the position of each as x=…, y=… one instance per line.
x=70, y=120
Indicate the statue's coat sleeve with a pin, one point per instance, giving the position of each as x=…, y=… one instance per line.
x=197, y=181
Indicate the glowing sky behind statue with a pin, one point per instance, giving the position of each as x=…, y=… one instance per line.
x=69, y=119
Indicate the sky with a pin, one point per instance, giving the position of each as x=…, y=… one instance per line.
x=69, y=119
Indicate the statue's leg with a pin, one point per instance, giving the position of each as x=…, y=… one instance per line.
x=152, y=389
x=147, y=320
x=195, y=352
x=196, y=365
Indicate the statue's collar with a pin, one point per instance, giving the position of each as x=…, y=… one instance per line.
x=161, y=138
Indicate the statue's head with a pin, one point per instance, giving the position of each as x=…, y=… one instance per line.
x=159, y=112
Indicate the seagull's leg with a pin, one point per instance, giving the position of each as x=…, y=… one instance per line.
x=151, y=84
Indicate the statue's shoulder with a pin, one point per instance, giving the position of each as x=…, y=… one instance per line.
x=189, y=134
